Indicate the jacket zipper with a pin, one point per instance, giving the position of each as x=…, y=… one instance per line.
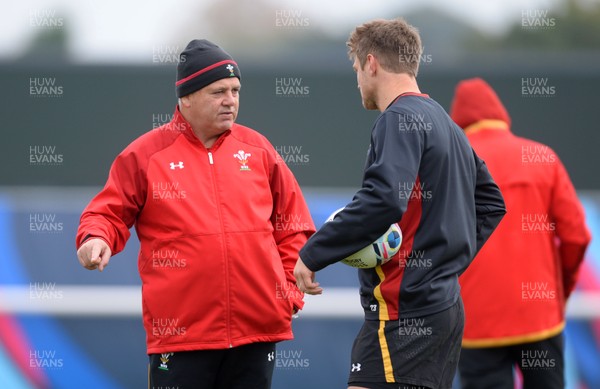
x=223, y=247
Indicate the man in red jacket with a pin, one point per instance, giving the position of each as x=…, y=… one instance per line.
x=220, y=219
x=516, y=289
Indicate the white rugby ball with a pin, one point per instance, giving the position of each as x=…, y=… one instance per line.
x=378, y=252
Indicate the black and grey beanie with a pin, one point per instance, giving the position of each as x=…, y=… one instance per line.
x=202, y=63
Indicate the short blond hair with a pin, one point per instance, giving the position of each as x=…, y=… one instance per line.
x=395, y=43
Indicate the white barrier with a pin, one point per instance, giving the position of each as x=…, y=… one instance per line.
x=83, y=300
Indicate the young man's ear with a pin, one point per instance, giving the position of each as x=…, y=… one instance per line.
x=371, y=64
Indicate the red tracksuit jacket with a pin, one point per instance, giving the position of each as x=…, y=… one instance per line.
x=220, y=230
x=516, y=288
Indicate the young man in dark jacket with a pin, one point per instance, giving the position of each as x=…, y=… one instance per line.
x=420, y=172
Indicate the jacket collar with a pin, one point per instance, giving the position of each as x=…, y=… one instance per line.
x=487, y=124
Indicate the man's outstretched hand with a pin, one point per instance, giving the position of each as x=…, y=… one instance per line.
x=94, y=254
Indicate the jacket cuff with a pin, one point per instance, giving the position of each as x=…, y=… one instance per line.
x=85, y=238
x=298, y=304
x=305, y=257
x=90, y=236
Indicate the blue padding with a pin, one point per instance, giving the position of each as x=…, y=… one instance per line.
x=592, y=219
x=11, y=271
x=9, y=373
x=77, y=370
x=587, y=355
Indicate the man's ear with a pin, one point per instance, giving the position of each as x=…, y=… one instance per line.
x=371, y=64
x=185, y=101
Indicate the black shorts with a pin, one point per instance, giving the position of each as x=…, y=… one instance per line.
x=245, y=367
x=541, y=364
x=409, y=353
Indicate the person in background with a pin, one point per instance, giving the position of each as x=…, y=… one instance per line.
x=516, y=289
x=220, y=219
x=420, y=172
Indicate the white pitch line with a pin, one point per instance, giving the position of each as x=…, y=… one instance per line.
x=126, y=301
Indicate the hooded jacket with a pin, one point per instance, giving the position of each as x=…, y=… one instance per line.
x=516, y=288
x=219, y=229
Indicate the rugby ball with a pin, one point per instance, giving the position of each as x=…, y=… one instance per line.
x=378, y=252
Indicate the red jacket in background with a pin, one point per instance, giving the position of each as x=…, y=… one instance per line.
x=516, y=288
x=220, y=230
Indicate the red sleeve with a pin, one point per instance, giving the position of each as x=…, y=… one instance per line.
x=112, y=212
x=571, y=230
x=292, y=222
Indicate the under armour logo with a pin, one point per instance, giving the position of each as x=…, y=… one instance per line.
x=179, y=165
x=355, y=367
x=373, y=307
x=271, y=356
